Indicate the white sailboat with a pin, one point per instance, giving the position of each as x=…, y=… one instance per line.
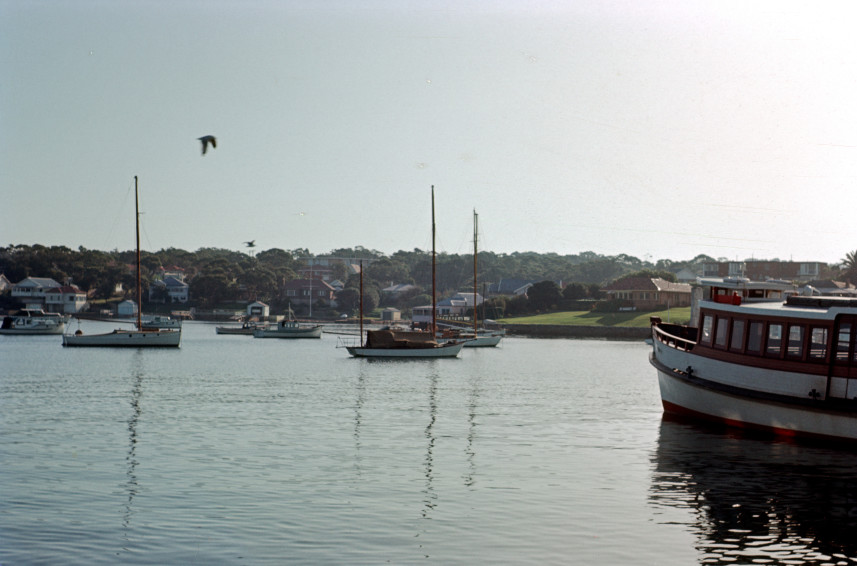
x=404, y=344
x=139, y=338
x=481, y=338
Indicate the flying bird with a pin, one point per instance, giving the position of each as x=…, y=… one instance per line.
x=251, y=244
x=207, y=140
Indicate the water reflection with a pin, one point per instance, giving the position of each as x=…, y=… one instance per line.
x=131, y=485
x=430, y=497
x=758, y=501
x=358, y=420
x=472, y=403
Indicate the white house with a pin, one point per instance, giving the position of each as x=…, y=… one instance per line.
x=258, y=309
x=126, y=308
x=32, y=290
x=173, y=289
x=68, y=299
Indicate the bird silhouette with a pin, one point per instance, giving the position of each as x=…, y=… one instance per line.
x=251, y=244
x=207, y=140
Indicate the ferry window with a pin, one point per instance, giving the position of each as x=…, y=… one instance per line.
x=737, y=342
x=843, y=341
x=754, y=337
x=795, y=345
x=722, y=328
x=707, y=323
x=775, y=340
x=818, y=344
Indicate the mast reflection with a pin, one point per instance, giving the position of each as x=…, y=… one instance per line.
x=430, y=497
x=131, y=485
x=756, y=500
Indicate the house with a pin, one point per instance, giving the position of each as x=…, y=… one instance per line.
x=762, y=270
x=126, y=308
x=309, y=291
x=322, y=267
x=67, y=299
x=646, y=293
x=446, y=308
x=170, y=289
x=468, y=298
x=5, y=284
x=391, y=314
x=259, y=310
x=32, y=290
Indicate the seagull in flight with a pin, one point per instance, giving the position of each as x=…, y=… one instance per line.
x=207, y=140
x=251, y=244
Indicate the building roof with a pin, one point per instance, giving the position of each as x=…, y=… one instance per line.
x=45, y=282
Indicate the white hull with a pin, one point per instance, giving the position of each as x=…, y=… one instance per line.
x=682, y=396
x=32, y=323
x=444, y=351
x=126, y=339
x=311, y=332
x=33, y=330
x=482, y=342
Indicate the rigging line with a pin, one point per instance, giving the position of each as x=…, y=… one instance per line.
x=116, y=217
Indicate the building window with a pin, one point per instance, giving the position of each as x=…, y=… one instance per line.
x=843, y=342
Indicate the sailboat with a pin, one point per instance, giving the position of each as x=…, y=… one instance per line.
x=391, y=343
x=139, y=338
x=484, y=338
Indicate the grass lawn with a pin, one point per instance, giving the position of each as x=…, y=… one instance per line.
x=634, y=319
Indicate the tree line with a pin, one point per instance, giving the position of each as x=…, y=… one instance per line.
x=219, y=276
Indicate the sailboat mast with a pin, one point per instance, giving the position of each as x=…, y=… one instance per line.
x=139, y=280
x=361, y=301
x=475, y=231
x=433, y=271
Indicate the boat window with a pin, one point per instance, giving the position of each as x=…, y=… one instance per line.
x=843, y=342
x=707, y=323
x=818, y=344
x=722, y=328
x=754, y=337
x=795, y=345
x=775, y=340
x=737, y=342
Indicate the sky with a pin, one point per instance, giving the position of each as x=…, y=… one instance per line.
x=658, y=129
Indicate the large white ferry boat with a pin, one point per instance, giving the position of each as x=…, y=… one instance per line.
x=758, y=356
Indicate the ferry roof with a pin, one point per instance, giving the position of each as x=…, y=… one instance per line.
x=744, y=283
x=814, y=308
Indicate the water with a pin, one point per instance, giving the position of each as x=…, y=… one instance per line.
x=235, y=450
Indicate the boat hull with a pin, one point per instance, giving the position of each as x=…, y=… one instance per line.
x=235, y=330
x=33, y=330
x=314, y=332
x=443, y=351
x=682, y=396
x=125, y=339
x=483, y=342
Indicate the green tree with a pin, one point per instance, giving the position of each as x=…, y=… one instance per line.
x=544, y=296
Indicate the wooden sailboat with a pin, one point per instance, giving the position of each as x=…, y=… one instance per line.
x=139, y=338
x=390, y=343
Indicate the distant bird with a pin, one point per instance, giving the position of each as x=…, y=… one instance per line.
x=207, y=140
x=251, y=244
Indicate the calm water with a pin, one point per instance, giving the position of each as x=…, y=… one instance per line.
x=234, y=450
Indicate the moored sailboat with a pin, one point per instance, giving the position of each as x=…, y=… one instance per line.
x=139, y=338
x=403, y=344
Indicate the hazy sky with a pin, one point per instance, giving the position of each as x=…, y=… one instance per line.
x=660, y=129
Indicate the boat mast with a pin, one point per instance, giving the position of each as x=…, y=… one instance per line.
x=433, y=271
x=361, y=301
x=139, y=283
x=475, y=221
